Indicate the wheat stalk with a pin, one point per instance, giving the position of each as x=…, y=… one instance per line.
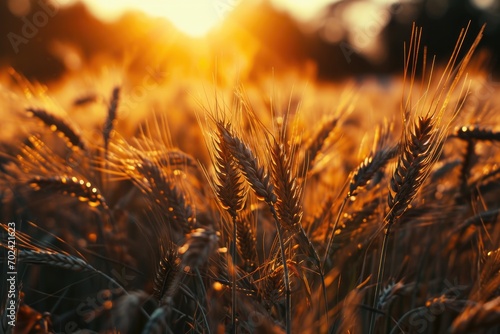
x=363, y=174
x=421, y=142
x=260, y=183
x=228, y=184
x=419, y=152
x=230, y=192
x=288, y=204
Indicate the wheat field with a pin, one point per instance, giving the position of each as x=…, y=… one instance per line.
x=278, y=206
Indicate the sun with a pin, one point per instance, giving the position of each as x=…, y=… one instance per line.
x=193, y=17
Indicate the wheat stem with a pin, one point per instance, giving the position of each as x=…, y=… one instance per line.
x=380, y=270
x=286, y=277
x=332, y=233
x=234, y=330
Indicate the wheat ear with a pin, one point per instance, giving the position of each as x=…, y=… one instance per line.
x=194, y=254
x=153, y=182
x=72, y=186
x=59, y=125
x=111, y=117
x=64, y=261
x=259, y=181
x=254, y=173
x=55, y=259
x=421, y=140
x=477, y=133
x=167, y=269
x=288, y=204
x=316, y=144
x=362, y=175
x=230, y=192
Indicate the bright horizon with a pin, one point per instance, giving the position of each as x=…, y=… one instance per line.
x=194, y=17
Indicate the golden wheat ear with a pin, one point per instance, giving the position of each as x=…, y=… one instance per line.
x=73, y=186
x=166, y=271
x=254, y=173
x=111, y=117
x=425, y=127
x=230, y=191
x=60, y=126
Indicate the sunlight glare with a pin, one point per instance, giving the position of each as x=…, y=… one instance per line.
x=193, y=17
x=303, y=10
